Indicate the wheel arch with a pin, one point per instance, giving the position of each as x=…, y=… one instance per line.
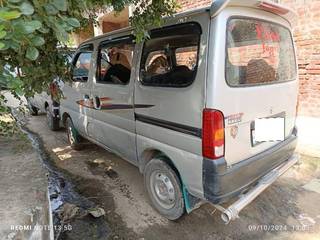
x=187, y=166
x=151, y=153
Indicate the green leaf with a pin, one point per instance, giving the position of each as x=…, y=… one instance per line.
x=32, y=26
x=9, y=15
x=2, y=45
x=32, y=53
x=73, y=22
x=27, y=27
x=50, y=9
x=26, y=8
x=2, y=34
x=35, y=24
x=13, y=45
x=37, y=41
x=14, y=1
x=43, y=30
x=62, y=35
x=61, y=5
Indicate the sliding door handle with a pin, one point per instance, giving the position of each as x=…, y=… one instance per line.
x=86, y=97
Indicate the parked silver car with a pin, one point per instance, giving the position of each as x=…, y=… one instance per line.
x=189, y=107
x=45, y=102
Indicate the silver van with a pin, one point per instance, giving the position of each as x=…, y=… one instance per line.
x=191, y=105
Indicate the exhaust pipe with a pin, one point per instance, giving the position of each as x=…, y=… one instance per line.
x=232, y=212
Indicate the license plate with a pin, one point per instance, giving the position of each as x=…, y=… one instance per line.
x=268, y=130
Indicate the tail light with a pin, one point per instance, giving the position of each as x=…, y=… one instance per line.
x=212, y=134
x=273, y=7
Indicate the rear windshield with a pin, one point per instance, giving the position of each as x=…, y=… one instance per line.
x=258, y=52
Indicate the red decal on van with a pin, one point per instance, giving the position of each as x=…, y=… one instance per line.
x=106, y=105
x=105, y=99
x=86, y=103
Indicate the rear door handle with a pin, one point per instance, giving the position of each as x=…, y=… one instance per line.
x=97, y=103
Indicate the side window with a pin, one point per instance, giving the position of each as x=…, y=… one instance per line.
x=157, y=63
x=115, y=63
x=170, y=58
x=81, y=66
x=187, y=56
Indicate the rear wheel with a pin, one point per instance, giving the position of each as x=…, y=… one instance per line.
x=164, y=189
x=73, y=136
x=53, y=122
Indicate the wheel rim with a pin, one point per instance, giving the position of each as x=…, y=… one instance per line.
x=162, y=189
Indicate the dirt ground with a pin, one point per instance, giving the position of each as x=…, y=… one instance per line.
x=284, y=211
x=23, y=191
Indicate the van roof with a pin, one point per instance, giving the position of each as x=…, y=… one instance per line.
x=215, y=8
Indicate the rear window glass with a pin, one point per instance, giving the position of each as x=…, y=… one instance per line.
x=258, y=52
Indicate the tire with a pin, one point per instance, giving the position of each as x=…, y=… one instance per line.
x=73, y=136
x=53, y=122
x=164, y=189
x=33, y=110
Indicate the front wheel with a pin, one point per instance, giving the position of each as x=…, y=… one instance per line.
x=164, y=189
x=53, y=122
x=73, y=136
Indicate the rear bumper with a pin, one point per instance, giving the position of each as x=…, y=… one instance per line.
x=221, y=183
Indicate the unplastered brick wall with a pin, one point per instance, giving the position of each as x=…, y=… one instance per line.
x=307, y=39
x=189, y=4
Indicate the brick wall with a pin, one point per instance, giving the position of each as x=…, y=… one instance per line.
x=307, y=38
x=189, y=4
x=111, y=26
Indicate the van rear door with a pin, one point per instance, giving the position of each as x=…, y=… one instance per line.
x=259, y=80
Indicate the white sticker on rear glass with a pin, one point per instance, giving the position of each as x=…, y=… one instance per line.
x=269, y=129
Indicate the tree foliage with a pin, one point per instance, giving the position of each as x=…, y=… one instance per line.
x=33, y=32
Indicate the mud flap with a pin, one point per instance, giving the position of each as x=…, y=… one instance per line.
x=190, y=201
